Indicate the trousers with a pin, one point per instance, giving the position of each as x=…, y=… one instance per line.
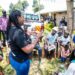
x=21, y=68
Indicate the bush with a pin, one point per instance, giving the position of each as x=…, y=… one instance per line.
x=48, y=26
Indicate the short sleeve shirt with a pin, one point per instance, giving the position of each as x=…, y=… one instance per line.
x=65, y=40
x=52, y=38
x=18, y=40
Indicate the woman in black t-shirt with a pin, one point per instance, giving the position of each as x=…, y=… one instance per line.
x=19, y=43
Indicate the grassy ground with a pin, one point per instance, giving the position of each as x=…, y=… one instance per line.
x=45, y=67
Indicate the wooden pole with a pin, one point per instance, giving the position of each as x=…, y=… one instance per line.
x=70, y=15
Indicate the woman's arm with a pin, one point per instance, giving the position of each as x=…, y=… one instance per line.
x=21, y=42
x=31, y=32
x=29, y=48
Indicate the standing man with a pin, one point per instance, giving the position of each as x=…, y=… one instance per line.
x=63, y=22
x=3, y=26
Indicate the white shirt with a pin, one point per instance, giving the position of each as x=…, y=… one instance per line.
x=65, y=40
x=71, y=69
x=52, y=38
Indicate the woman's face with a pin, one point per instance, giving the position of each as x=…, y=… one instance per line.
x=21, y=20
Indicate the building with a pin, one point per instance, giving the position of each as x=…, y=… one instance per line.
x=56, y=8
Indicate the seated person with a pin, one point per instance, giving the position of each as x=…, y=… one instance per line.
x=60, y=34
x=52, y=37
x=65, y=40
x=71, y=68
x=65, y=52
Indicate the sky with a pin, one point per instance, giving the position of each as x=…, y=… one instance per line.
x=5, y=3
x=48, y=4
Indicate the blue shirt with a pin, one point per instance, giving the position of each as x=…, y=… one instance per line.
x=73, y=61
x=52, y=38
x=74, y=38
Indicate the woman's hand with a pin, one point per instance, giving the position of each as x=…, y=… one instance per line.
x=39, y=35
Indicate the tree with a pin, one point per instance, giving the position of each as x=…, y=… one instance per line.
x=70, y=15
x=25, y=5
x=11, y=7
x=20, y=5
x=37, y=6
x=0, y=11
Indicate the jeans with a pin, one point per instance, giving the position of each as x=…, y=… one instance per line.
x=39, y=49
x=63, y=59
x=21, y=68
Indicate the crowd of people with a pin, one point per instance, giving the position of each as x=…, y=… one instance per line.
x=57, y=44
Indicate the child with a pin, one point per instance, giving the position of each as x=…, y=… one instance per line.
x=64, y=52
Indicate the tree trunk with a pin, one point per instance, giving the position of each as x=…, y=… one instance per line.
x=70, y=15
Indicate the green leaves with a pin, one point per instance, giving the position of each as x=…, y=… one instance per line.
x=37, y=6
x=20, y=5
x=0, y=11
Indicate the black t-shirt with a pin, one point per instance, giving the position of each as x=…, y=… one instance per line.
x=17, y=40
x=63, y=22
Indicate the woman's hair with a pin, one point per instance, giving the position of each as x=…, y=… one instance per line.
x=72, y=56
x=13, y=19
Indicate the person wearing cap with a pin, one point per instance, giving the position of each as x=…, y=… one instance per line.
x=51, y=38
